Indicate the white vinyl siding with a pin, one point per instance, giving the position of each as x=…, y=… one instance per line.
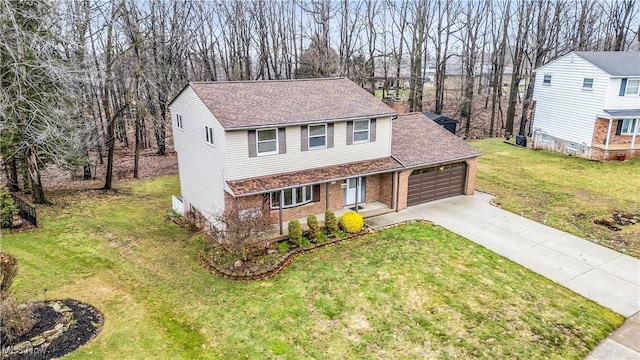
x=267, y=141
x=615, y=101
x=202, y=167
x=563, y=110
x=242, y=166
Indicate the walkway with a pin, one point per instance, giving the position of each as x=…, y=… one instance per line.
x=605, y=276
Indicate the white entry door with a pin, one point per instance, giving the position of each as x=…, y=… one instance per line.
x=352, y=189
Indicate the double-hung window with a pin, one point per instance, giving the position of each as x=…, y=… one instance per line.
x=587, y=84
x=267, y=141
x=317, y=136
x=179, y=121
x=291, y=197
x=208, y=134
x=632, y=87
x=361, y=129
x=546, y=80
x=629, y=126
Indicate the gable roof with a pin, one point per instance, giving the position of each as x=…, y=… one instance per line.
x=614, y=63
x=252, y=104
x=418, y=140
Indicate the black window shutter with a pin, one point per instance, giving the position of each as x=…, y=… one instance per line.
x=623, y=86
x=304, y=138
x=282, y=140
x=349, y=132
x=619, y=127
x=372, y=135
x=252, y=143
x=330, y=135
x=316, y=193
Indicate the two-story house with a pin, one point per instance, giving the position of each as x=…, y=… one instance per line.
x=587, y=103
x=310, y=145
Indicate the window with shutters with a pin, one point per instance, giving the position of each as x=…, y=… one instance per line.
x=361, y=129
x=632, y=87
x=292, y=197
x=629, y=126
x=267, y=141
x=208, y=135
x=317, y=136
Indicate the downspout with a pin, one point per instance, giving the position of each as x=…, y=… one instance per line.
x=606, y=141
x=357, y=192
x=397, y=189
x=393, y=187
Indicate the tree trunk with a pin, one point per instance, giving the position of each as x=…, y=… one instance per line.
x=37, y=192
x=13, y=175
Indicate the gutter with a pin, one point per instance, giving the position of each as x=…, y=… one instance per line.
x=318, y=121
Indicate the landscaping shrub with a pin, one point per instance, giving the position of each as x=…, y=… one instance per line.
x=283, y=246
x=330, y=221
x=15, y=320
x=351, y=222
x=314, y=227
x=7, y=208
x=295, y=231
x=8, y=270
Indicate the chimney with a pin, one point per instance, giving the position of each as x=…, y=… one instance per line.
x=397, y=104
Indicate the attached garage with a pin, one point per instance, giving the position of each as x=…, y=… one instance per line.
x=436, y=182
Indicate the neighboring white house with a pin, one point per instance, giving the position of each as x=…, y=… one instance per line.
x=309, y=145
x=587, y=103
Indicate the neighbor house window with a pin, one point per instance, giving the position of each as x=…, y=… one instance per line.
x=179, y=121
x=208, y=134
x=291, y=197
x=629, y=126
x=587, y=84
x=361, y=130
x=317, y=136
x=267, y=141
x=546, y=79
x=632, y=87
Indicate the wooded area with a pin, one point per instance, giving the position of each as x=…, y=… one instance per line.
x=78, y=76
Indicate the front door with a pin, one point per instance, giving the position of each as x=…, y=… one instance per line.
x=354, y=186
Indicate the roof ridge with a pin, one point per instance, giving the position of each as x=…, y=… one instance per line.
x=265, y=81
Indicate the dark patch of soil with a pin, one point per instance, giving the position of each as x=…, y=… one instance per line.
x=86, y=325
x=618, y=219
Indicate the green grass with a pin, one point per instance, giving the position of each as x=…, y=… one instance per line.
x=410, y=292
x=567, y=192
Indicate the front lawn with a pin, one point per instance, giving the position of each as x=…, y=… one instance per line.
x=415, y=291
x=565, y=192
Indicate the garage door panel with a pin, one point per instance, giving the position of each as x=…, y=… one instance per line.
x=432, y=183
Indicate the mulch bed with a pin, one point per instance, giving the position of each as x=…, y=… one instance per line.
x=86, y=324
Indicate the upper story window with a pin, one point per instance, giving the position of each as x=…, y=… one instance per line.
x=546, y=80
x=179, y=121
x=317, y=136
x=361, y=129
x=267, y=141
x=629, y=126
x=587, y=84
x=632, y=87
x=208, y=134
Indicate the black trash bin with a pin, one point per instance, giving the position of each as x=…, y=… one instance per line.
x=521, y=140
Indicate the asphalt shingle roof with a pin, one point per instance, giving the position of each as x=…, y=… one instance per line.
x=418, y=140
x=246, y=104
x=269, y=183
x=614, y=63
